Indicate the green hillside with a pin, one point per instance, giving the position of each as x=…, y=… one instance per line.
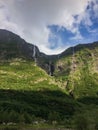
x=19, y=74
x=78, y=72
x=28, y=94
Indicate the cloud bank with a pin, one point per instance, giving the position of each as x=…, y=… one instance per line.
x=31, y=20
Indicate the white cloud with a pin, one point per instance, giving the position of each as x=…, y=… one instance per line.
x=30, y=18
x=96, y=8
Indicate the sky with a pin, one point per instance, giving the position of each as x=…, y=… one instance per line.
x=52, y=25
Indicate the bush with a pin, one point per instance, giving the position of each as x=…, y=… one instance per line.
x=81, y=123
x=28, y=118
x=54, y=117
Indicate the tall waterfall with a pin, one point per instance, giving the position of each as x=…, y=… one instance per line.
x=51, y=68
x=34, y=54
x=34, y=51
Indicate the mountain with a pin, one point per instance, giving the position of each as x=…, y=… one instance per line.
x=67, y=97
x=12, y=46
x=27, y=93
x=77, y=68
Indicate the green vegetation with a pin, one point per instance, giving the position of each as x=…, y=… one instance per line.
x=30, y=98
x=24, y=75
x=79, y=72
x=78, y=75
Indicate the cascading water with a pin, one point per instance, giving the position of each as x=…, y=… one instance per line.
x=34, y=55
x=51, y=68
x=34, y=51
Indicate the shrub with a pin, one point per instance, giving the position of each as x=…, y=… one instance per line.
x=81, y=123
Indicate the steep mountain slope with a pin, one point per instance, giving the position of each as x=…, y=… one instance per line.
x=30, y=94
x=78, y=70
x=12, y=46
x=76, y=73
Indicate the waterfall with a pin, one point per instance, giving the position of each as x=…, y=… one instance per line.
x=34, y=54
x=50, y=68
x=34, y=51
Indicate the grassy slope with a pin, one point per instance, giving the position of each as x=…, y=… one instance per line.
x=83, y=79
x=27, y=93
x=23, y=75
x=82, y=83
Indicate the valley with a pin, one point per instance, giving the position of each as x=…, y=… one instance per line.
x=29, y=95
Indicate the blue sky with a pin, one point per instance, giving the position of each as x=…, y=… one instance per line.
x=88, y=32
x=52, y=25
